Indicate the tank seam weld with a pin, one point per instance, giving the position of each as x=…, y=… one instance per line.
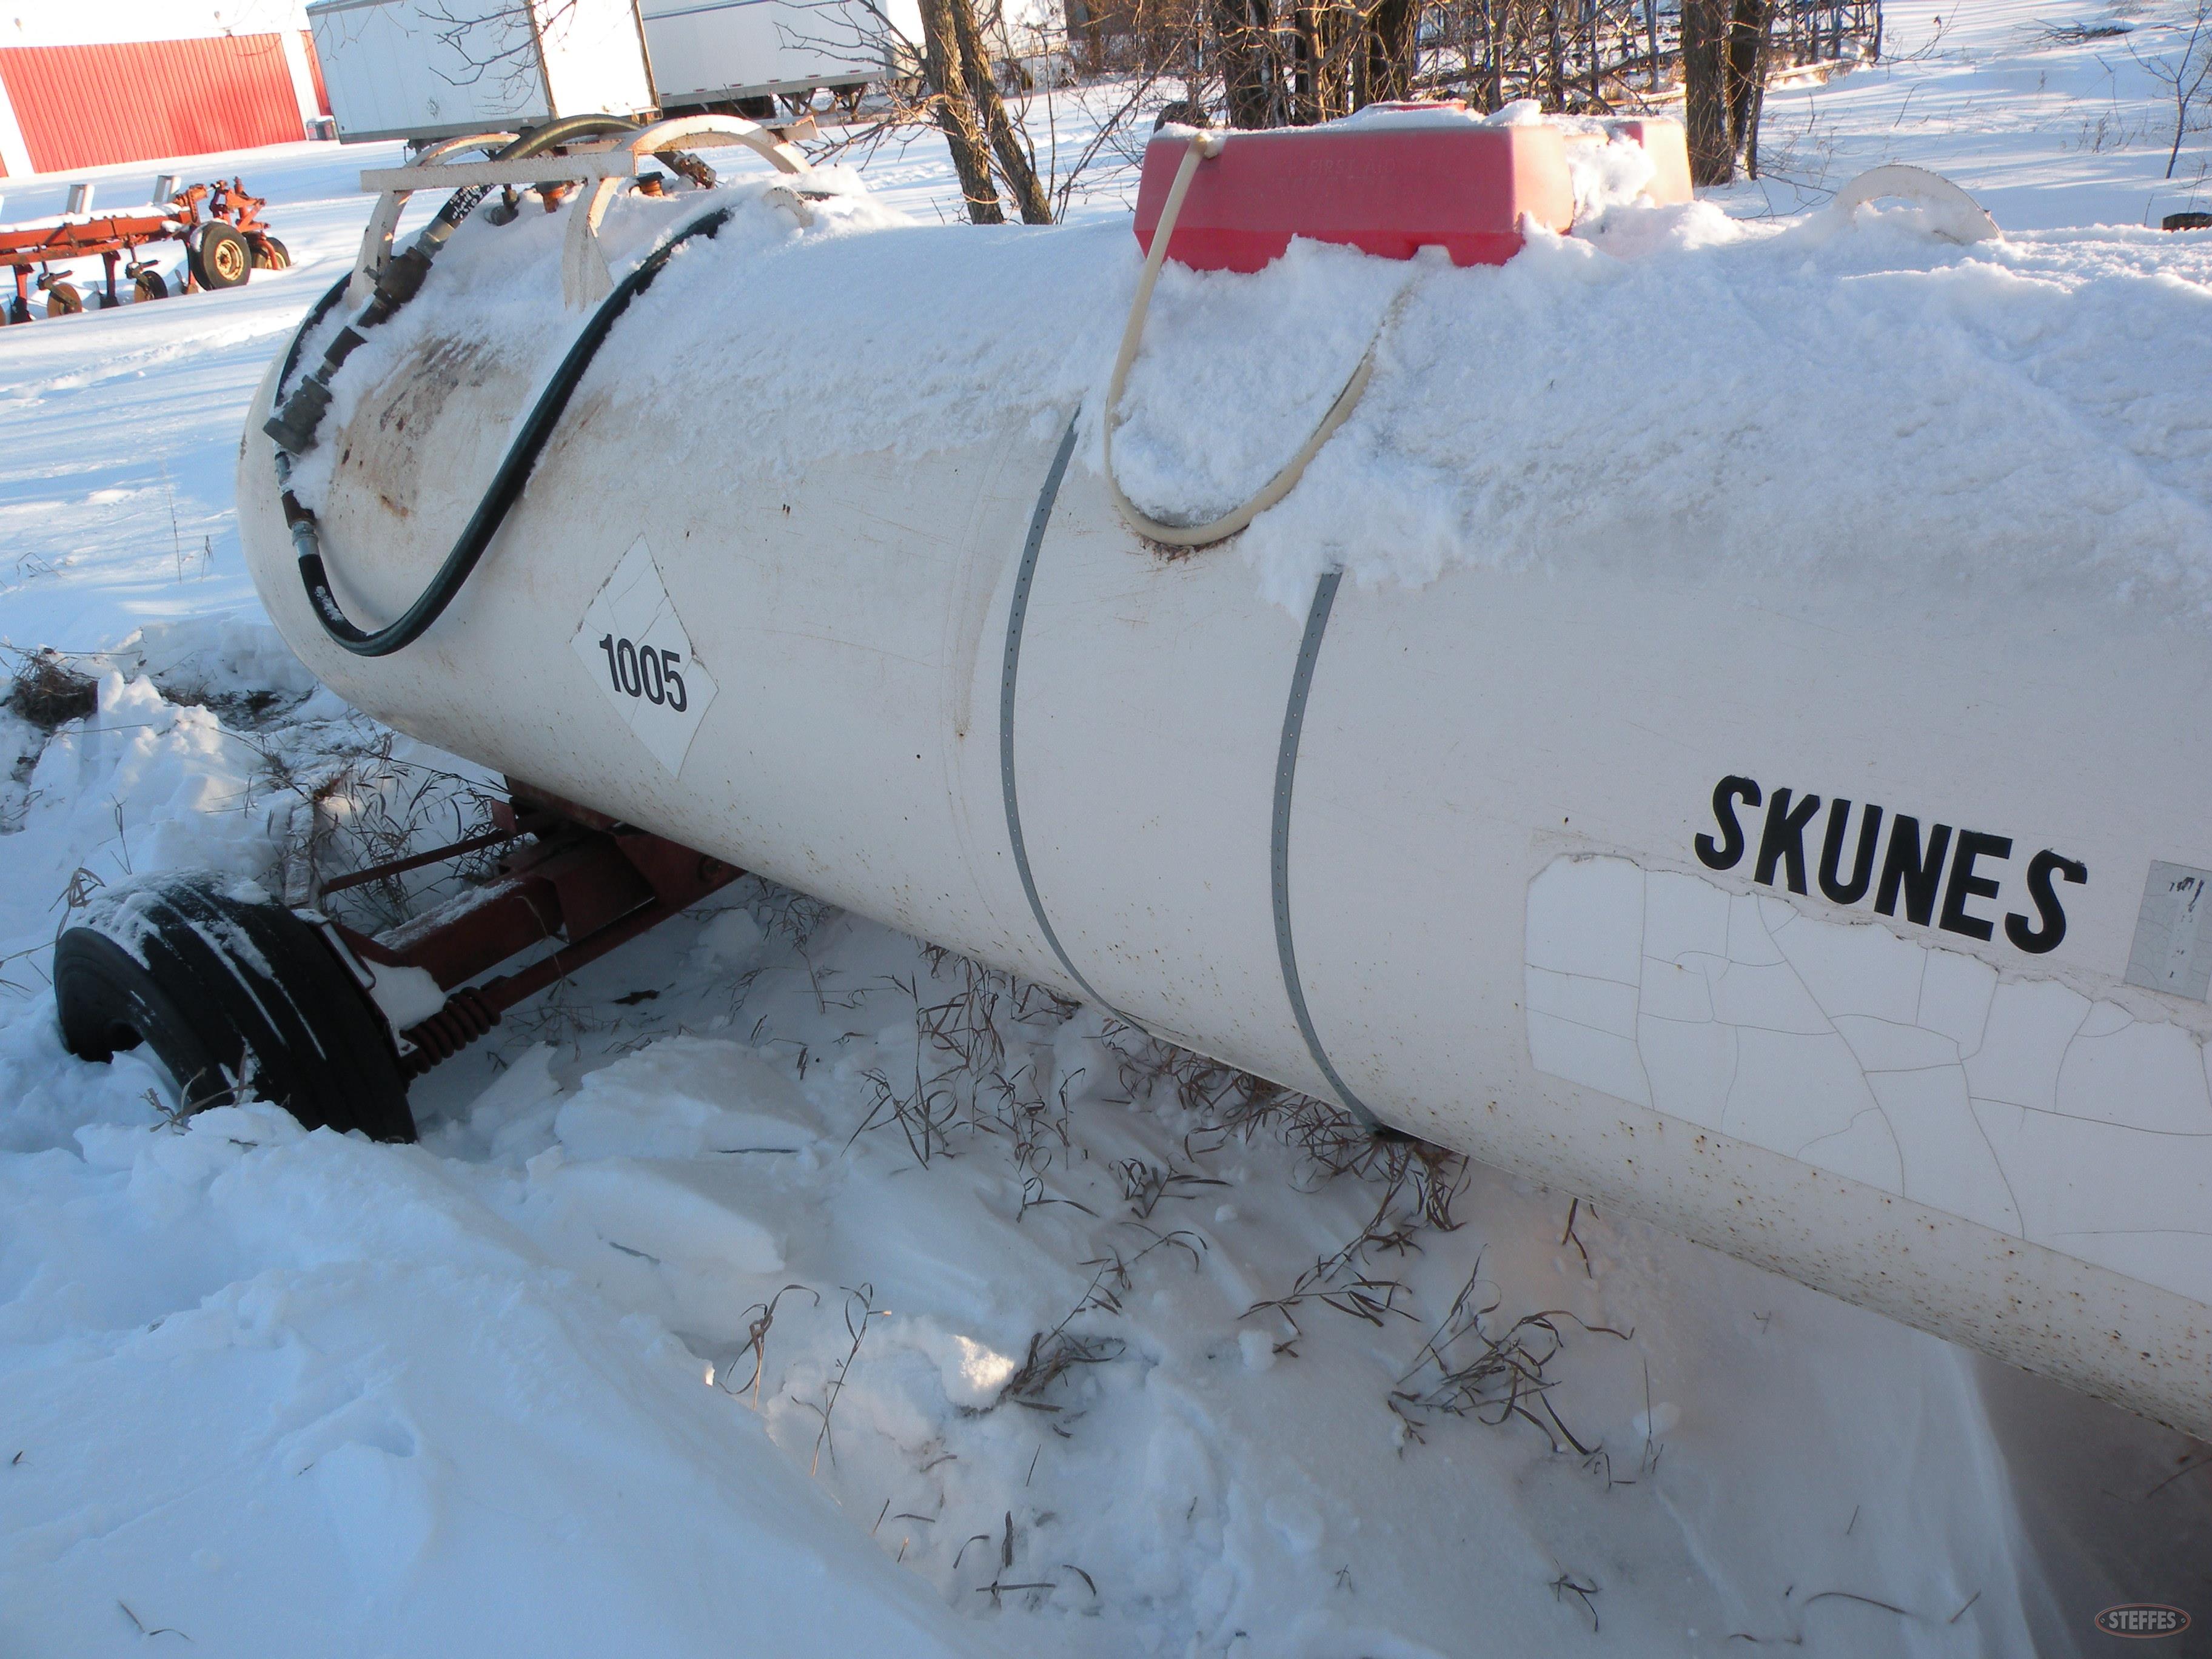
x=1286, y=766
x=1016, y=615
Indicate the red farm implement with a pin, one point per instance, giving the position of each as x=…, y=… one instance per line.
x=219, y=224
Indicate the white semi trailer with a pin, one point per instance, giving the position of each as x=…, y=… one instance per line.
x=712, y=54
x=431, y=69
x=426, y=70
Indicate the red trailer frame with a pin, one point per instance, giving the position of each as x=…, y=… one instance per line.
x=213, y=258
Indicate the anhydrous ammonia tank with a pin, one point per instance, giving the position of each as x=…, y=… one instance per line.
x=1706, y=717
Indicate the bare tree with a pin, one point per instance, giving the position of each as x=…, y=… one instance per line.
x=1724, y=55
x=1258, y=64
x=953, y=108
x=2183, y=74
x=1016, y=164
x=1705, y=29
x=1745, y=67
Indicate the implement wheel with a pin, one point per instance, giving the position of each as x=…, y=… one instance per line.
x=150, y=285
x=237, y=998
x=220, y=257
x=63, y=301
x=269, y=254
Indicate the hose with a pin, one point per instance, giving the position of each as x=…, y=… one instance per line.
x=294, y=423
x=506, y=487
x=316, y=313
x=1203, y=147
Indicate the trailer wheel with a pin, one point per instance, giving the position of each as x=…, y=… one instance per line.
x=236, y=997
x=150, y=285
x=219, y=256
x=63, y=301
x=269, y=254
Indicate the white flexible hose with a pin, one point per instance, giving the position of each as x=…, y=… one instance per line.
x=1954, y=215
x=1204, y=145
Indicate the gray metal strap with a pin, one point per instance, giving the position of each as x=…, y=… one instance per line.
x=1038, y=522
x=1286, y=766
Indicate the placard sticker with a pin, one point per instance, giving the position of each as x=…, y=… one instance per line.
x=636, y=648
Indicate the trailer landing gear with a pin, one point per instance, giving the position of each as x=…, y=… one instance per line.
x=238, y=996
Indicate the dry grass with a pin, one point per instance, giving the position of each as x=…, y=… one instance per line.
x=1470, y=1367
x=961, y=1085
x=974, y=1083
x=358, y=804
x=859, y=1311
x=48, y=691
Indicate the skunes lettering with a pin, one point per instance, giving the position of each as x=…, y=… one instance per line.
x=1935, y=876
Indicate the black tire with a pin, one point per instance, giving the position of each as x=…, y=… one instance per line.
x=269, y=254
x=151, y=285
x=220, y=257
x=236, y=998
x=63, y=301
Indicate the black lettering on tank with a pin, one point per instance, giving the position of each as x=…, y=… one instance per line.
x=1782, y=840
x=1965, y=884
x=1724, y=853
x=1912, y=868
x=1907, y=868
x=2040, y=869
x=1837, y=890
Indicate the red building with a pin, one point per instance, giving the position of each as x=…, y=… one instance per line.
x=150, y=78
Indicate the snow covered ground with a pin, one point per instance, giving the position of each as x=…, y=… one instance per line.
x=681, y=1333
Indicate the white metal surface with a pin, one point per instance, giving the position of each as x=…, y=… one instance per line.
x=1462, y=854
x=423, y=69
x=708, y=51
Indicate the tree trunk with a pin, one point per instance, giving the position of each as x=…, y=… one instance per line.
x=1015, y=166
x=1387, y=55
x=1305, y=72
x=1557, y=54
x=955, y=112
x=1746, y=76
x=1082, y=35
x=1705, y=29
x=1496, y=61
x=1246, y=54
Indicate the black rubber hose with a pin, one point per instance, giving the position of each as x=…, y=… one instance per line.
x=293, y=423
x=316, y=313
x=506, y=484
x=402, y=280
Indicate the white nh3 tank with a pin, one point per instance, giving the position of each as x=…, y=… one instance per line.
x=1707, y=814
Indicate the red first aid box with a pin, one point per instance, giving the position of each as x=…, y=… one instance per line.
x=1388, y=187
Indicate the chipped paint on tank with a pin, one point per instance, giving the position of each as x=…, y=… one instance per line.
x=2011, y=1101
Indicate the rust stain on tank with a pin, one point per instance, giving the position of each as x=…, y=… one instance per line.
x=384, y=440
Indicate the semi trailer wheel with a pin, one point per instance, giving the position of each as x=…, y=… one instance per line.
x=236, y=997
x=220, y=257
